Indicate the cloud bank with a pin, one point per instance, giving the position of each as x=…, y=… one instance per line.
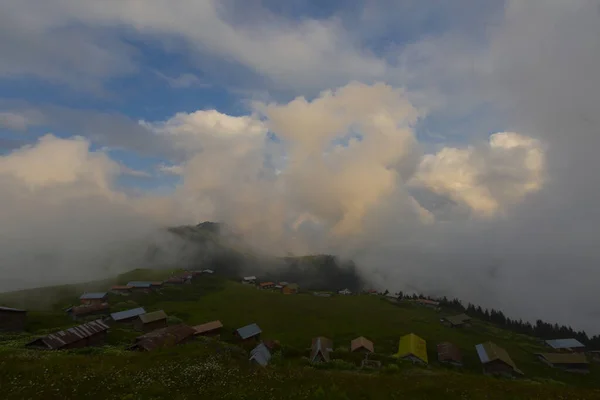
x=505, y=217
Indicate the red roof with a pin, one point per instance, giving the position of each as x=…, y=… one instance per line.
x=208, y=327
x=267, y=284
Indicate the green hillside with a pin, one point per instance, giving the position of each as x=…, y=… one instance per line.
x=207, y=369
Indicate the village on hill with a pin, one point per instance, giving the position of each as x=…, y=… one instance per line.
x=151, y=328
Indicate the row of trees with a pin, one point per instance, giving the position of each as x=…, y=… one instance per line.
x=540, y=329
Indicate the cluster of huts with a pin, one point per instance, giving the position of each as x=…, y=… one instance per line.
x=567, y=354
x=283, y=287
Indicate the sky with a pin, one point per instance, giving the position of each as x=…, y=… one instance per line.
x=446, y=147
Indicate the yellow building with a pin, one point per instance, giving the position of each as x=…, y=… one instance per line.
x=412, y=347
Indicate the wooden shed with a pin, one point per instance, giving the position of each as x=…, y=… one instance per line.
x=449, y=353
x=151, y=321
x=89, y=334
x=496, y=360
x=12, y=319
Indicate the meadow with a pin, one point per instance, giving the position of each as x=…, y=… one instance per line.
x=211, y=369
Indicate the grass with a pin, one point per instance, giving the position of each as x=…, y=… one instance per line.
x=197, y=370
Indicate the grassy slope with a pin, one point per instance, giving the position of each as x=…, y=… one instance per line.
x=293, y=320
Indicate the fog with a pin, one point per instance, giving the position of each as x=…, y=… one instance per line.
x=508, y=220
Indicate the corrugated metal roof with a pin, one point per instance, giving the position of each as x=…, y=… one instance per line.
x=169, y=336
x=412, y=344
x=261, y=355
x=61, y=339
x=564, y=343
x=11, y=309
x=207, y=327
x=489, y=352
x=92, y=296
x=121, y=315
x=249, y=278
x=88, y=309
x=208, y=271
x=153, y=316
x=361, y=342
x=449, y=352
x=321, y=345
x=139, y=284
x=249, y=331
x=564, y=358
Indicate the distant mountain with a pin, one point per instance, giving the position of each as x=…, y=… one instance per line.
x=221, y=249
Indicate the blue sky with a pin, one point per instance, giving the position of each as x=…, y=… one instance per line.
x=144, y=69
x=187, y=107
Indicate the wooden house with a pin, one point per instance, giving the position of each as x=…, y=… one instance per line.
x=412, y=347
x=151, y=321
x=212, y=329
x=496, y=360
x=361, y=345
x=12, y=319
x=94, y=298
x=89, y=334
x=571, y=362
x=449, y=353
x=320, y=350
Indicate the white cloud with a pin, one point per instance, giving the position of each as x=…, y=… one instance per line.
x=486, y=178
x=13, y=121
x=287, y=54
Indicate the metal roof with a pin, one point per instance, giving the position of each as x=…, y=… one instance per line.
x=121, y=315
x=208, y=271
x=361, y=342
x=169, y=336
x=61, y=339
x=11, y=309
x=321, y=345
x=153, y=316
x=564, y=358
x=139, y=284
x=249, y=278
x=249, y=331
x=448, y=352
x=412, y=344
x=564, y=343
x=261, y=355
x=121, y=287
x=91, y=296
x=207, y=327
x=489, y=352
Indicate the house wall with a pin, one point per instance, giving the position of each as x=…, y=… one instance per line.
x=151, y=326
x=94, y=301
x=497, y=368
x=12, y=321
x=214, y=333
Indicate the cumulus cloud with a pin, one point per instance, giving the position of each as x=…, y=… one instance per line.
x=485, y=178
x=499, y=221
x=62, y=220
x=13, y=121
